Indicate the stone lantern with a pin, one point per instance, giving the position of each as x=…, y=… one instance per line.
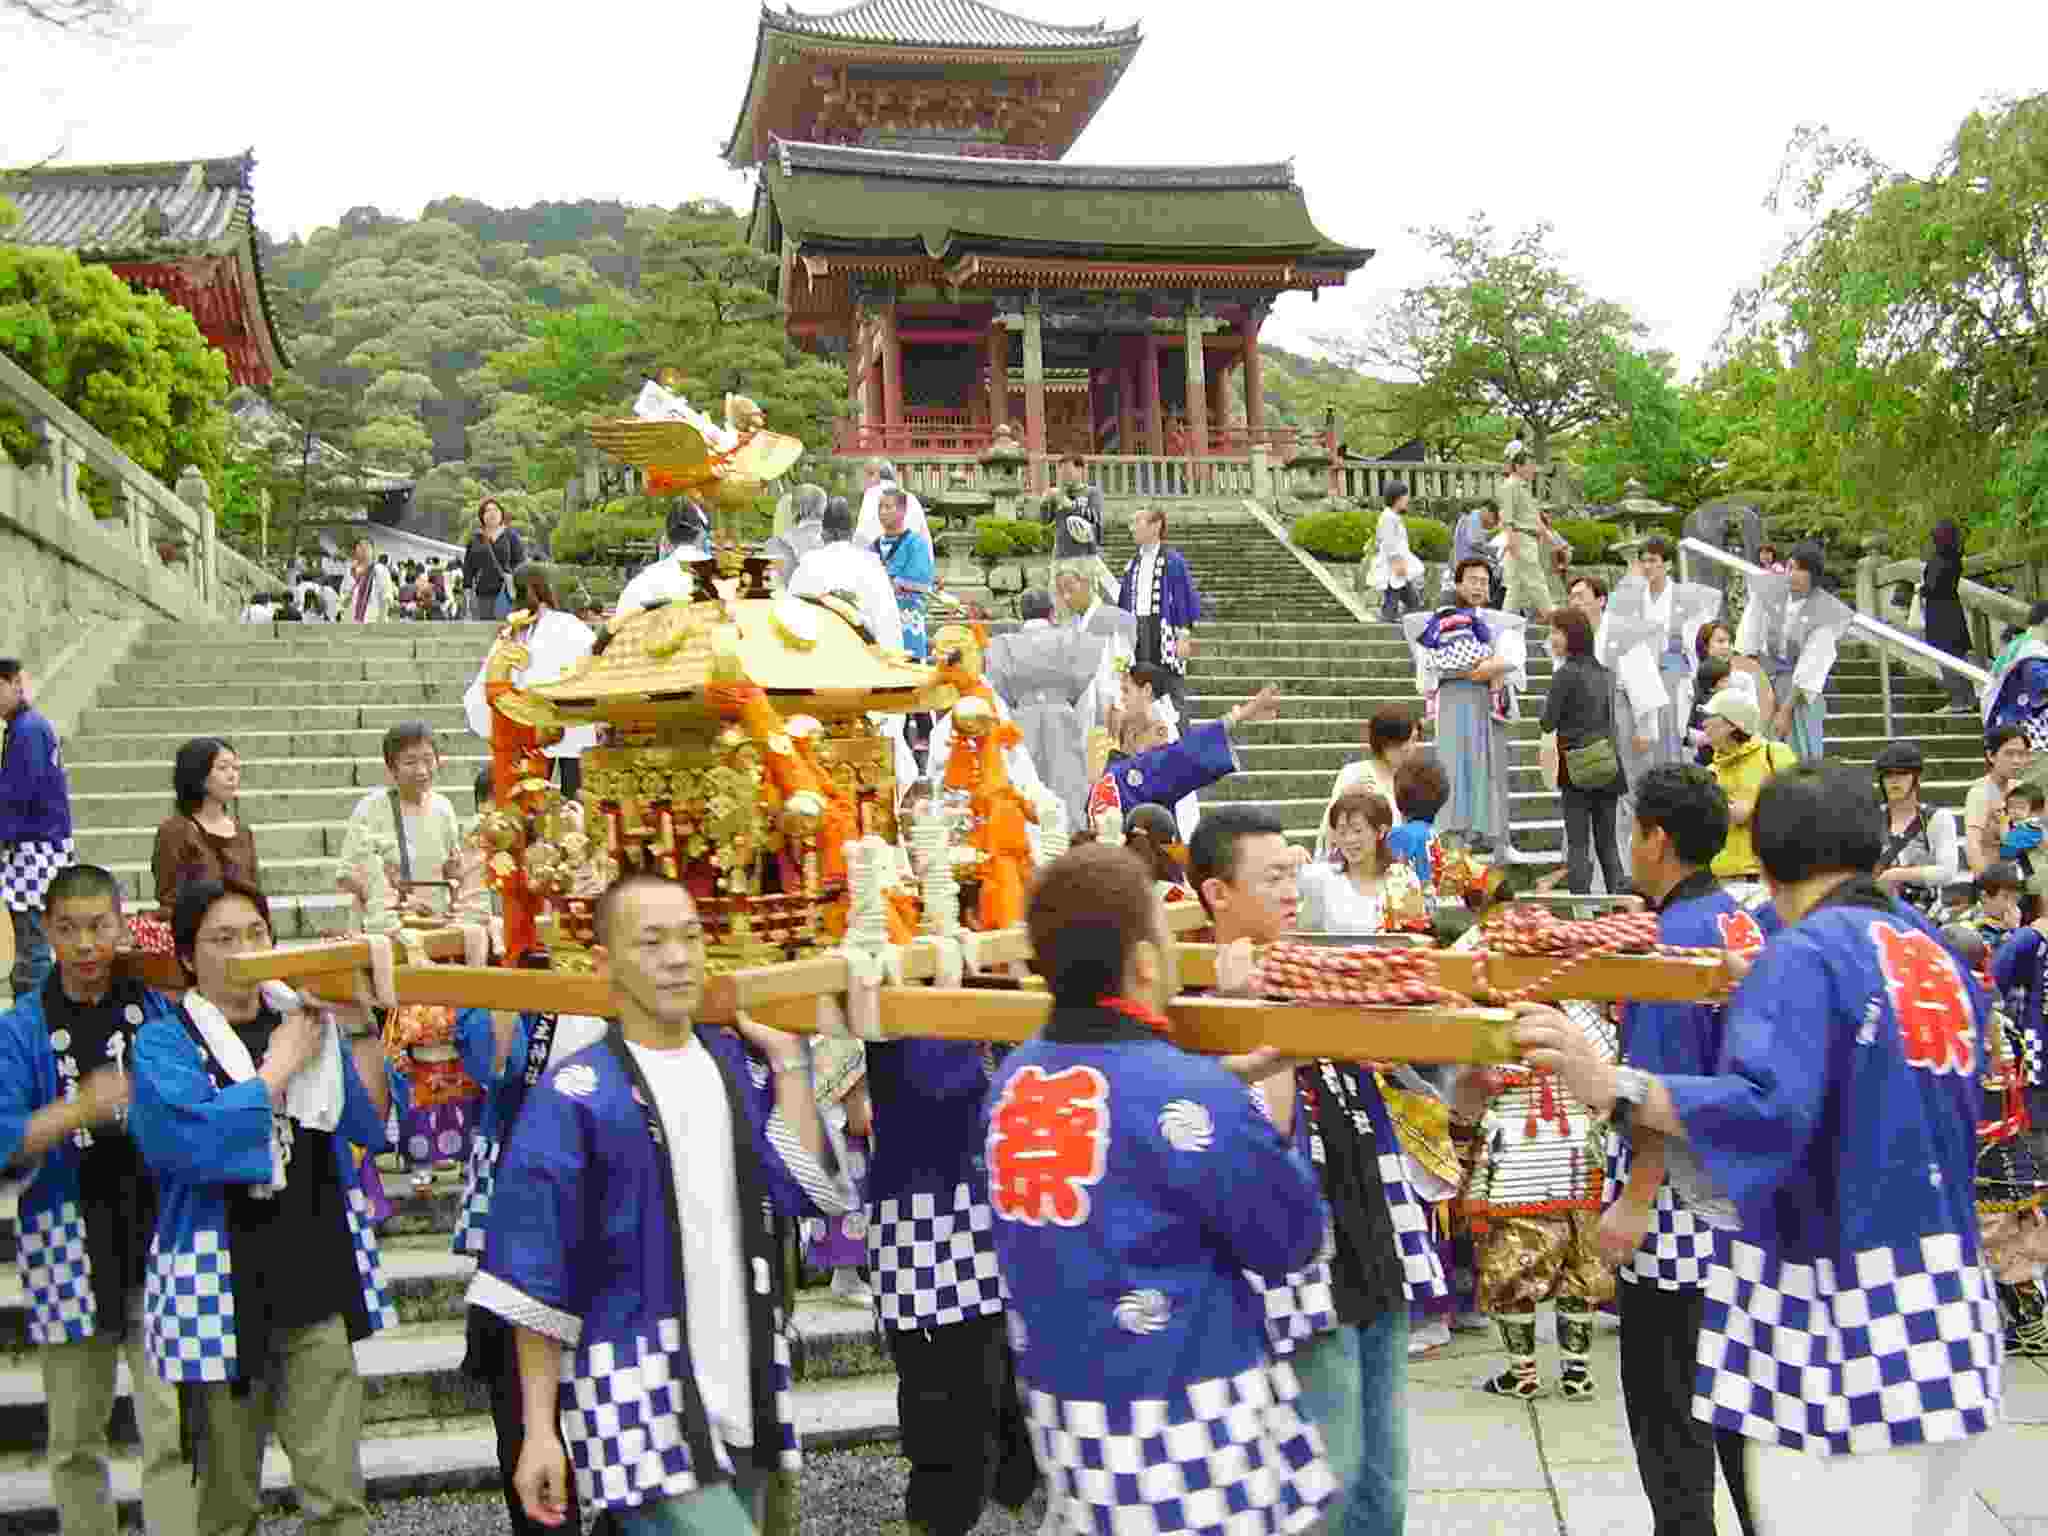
x=1002, y=471
x=955, y=508
x=1308, y=469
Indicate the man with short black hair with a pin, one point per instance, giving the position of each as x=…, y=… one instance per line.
x=1074, y=508
x=1135, y=1188
x=1851, y=1329
x=35, y=824
x=906, y=555
x=672, y=578
x=1793, y=626
x=1341, y=1320
x=87, y=1207
x=1656, y=1228
x=867, y=528
x=631, y=1226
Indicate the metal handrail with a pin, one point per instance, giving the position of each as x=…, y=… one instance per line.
x=1877, y=630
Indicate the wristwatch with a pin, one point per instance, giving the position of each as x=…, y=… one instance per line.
x=1631, y=1090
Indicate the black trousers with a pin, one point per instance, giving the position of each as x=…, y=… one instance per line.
x=1589, y=827
x=508, y=1418
x=963, y=1426
x=1151, y=650
x=1675, y=1452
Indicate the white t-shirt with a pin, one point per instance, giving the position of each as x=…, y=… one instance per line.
x=697, y=1119
x=1141, y=588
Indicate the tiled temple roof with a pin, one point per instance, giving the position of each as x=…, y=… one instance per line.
x=853, y=160
x=140, y=211
x=943, y=24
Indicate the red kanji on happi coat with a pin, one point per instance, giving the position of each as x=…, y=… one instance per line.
x=1936, y=1026
x=1048, y=1137
x=1740, y=933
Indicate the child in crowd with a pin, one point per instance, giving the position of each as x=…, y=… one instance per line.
x=2000, y=898
x=1712, y=676
x=2024, y=804
x=1420, y=789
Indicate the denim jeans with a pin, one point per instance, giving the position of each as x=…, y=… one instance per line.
x=1354, y=1389
x=725, y=1509
x=33, y=957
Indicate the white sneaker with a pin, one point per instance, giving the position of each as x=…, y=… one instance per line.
x=1429, y=1336
x=847, y=1286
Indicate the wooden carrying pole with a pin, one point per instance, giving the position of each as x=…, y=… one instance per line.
x=787, y=996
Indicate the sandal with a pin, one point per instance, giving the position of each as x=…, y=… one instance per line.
x=1575, y=1385
x=1515, y=1382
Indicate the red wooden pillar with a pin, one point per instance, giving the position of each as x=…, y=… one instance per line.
x=1127, y=403
x=998, y=373
x=1254, y=374
x=1155, y=425
x=892, y=369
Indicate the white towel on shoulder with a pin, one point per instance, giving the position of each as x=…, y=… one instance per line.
x=313, y=1096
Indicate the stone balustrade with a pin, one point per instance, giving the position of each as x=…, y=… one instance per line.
x=155, y=555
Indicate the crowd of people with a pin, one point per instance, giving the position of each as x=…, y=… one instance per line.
x=1163, y=1292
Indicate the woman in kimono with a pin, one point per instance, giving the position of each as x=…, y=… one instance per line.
x=1396, y=574
x=1473, y=661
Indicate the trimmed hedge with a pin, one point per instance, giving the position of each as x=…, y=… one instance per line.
x=1344, y=536
x=1590, y=540
x=1004, y=538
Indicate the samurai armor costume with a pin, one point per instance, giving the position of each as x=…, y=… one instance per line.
x=1795, y=639
x=1042, y=672
x=1472, y=719
x=1133, y=1185
x=1532, y=1193
x=585, y=1245
x=1662, y=1289
x=1158, y=592
x=1836, y=1323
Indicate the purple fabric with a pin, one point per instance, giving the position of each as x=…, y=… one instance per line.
x=438, y=1134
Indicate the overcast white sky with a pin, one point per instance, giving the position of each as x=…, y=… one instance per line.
x=1647, y=133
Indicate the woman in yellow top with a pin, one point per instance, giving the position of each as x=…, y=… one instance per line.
x=1743, y=762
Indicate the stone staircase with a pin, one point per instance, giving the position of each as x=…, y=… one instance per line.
x=306, y=706
x=1267, y=620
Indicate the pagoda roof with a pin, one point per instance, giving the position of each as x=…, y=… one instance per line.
x=158, y=211
x=942, y=24
x=945, y=207
x=947, y=34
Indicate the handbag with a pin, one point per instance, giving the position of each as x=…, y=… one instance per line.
x=1593, y=766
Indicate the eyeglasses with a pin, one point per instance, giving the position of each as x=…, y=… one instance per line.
x=255, y=936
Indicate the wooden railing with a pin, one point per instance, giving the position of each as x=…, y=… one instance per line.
x=1427, y=481
x=147, y=516
x=1119, y=476
x=1990, y=613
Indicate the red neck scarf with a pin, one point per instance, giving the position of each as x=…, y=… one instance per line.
x=1139, y=1013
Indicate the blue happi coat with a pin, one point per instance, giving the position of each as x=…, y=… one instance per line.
x=1165, y=775
x=1133, y=1186
x=1681, y=1040
x=1852, y=1312
x=931, y=1239
x=200, y=1134
x=56, y=1276
x=908, y=559
x=583, y=1247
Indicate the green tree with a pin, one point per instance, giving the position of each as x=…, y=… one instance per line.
x=132, y=364
x=1898, y=341
x=1504, y=336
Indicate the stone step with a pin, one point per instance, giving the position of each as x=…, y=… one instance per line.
x=161, y=747
x=249, y=687
x=414, y=1371
x=461, y=757
x=404, y=1458
x=1327, y=757
x=276, y=840
x=1525, y=784
x=282, y=877
x=261, y=806
x=150, y=675
x=311, y=645
x=317, y=713
x=479, y=634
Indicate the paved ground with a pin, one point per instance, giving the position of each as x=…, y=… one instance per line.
x=1482, y=1467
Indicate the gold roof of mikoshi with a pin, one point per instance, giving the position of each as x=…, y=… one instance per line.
x=806, y=654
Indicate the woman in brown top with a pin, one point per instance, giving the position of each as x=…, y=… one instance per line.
x=204, y=840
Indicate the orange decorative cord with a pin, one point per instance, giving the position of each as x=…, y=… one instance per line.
x=516, y=759
x=792, y=768
x=999, y=813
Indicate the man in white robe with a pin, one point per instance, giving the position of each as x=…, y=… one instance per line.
x=1040, y=672
x=1794, y=628
x=1074, y=590
x=670, y=579
x=839, y=566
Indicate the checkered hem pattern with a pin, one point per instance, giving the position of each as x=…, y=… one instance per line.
x=1229, y=1454
x=832, y=1196
x=478, y=1180
x=506, y=1300
x=933, y=1267
x=1299, y=1306
x=1422, y=1268
x=369, y=1263
x=56, y=1275
x=1901, y=1347
x=788, y=1453
x=26, y=870
x=1678, y=1248
x=622, y=1420
x=188, y=1310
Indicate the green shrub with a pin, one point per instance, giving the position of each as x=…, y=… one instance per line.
x=1335, y=535
x=1003, y=538
x=1590, y=539
x=1429, y=539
